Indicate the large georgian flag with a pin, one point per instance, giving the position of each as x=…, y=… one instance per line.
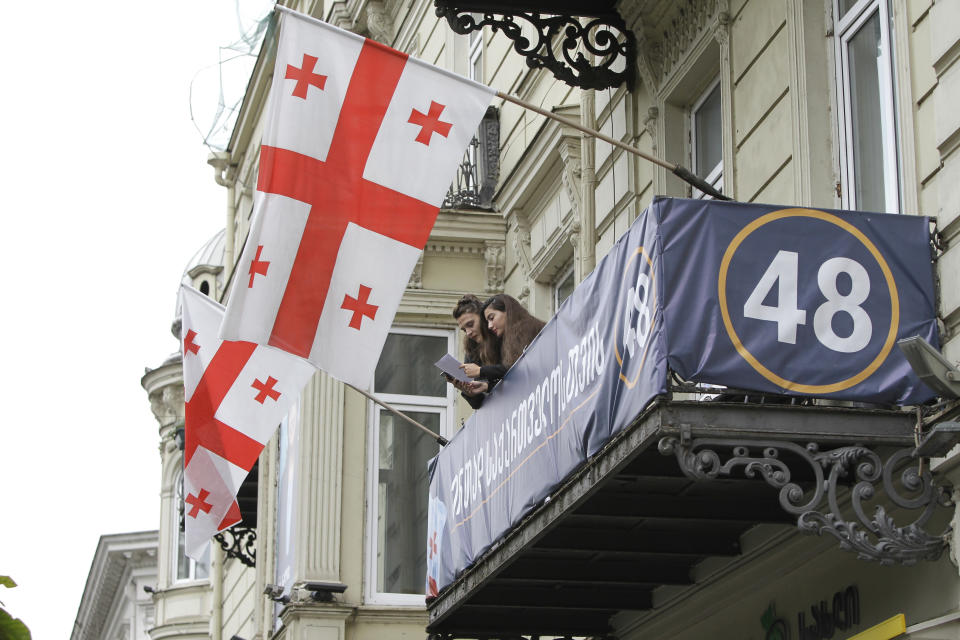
x=236, y=393
x=360, y=145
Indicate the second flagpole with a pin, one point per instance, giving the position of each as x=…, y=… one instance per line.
x=440, y=439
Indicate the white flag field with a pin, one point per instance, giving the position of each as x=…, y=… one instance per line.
x=236, y=394
x=360, y=145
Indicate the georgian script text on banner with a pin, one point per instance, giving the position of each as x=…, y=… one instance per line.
x=591, y=370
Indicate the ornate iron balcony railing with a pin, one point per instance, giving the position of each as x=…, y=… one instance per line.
x=476, y=177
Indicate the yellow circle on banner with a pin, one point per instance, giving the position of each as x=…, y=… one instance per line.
x=653, y=312
x=749, y=357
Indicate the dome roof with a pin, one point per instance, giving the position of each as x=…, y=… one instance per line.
x=203, y=272
x=209, y=256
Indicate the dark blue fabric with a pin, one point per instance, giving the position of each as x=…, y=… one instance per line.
x=558, y=404
x=698, y=234
x=578, y=384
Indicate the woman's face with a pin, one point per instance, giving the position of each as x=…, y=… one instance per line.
x=469, y=323
x=495, y=320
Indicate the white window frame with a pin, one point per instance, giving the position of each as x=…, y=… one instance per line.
x=176, y=551
x=442, y=405
x=475, y=50
x=566, y=273
x=845, y=27
x=715, y=176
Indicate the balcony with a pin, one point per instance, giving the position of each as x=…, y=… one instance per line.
x=477, y=173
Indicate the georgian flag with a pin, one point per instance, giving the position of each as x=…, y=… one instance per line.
x=236, y=393
x=360, y=145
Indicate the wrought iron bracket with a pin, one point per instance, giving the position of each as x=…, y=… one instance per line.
x=602, y=36
x=903, y=478
x=239, y=543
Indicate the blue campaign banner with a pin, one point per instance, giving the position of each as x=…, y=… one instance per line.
x=796, y=301
x=757, y=297
x=590, y=372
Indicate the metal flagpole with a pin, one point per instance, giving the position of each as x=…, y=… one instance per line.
x=681, y=172
x=440, y=439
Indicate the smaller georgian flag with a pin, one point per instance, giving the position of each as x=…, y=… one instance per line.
x=236, y=393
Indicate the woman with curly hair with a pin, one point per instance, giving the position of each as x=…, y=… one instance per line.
x=512, y=324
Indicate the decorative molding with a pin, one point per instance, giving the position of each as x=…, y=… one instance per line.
x=339, y=16
x=416, y=278
x=473, y=249
x=379, y=22
x=589, y=48
x=659, y=54
x=494, y=258
x=650, y=124
x=570, y=177
x=871, y=538
x=687, y=27
x=521, y=242
x=524, y=296
x=573, y=236
x=649, y=58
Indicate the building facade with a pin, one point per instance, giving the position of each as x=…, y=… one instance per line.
x=817, y=103
x=116, y=602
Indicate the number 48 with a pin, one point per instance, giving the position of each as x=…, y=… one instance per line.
x=782, y=272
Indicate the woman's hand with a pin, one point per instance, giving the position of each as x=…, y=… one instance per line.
x=471, y=370
x=474, y=388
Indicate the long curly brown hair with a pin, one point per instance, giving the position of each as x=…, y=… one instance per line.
x=519, y=329
x=487, y=350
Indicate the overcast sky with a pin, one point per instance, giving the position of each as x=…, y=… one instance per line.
x=106, y=195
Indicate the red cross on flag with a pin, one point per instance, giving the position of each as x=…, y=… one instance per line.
x=236, y=393
x=360, y=145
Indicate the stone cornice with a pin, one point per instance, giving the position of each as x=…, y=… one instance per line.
x=455, y=226
x=116, y=555
x=435, y=304
x=394, y=615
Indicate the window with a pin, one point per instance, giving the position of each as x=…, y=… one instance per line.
x=398, y=455
x=563, y=287
x=706, y=138
x=868, y=149
x=185, y=568
x=476, y=51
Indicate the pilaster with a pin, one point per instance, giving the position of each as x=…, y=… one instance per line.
x=321, y=468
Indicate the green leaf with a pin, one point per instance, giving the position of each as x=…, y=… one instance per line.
x=7, y=581
x=12, y=628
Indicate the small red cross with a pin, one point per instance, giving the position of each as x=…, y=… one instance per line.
x=189, y=344
x=265, y=389
x=305, y=76
x=430, y=122
x=360, y=307
x=257, y=266
x=433, y=545
x=199, y=503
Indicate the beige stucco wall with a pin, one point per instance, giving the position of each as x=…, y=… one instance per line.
x=775, y=65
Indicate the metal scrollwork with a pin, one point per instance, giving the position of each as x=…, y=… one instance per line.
x=239, y=543
x=875, y=537
x=605, y=37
